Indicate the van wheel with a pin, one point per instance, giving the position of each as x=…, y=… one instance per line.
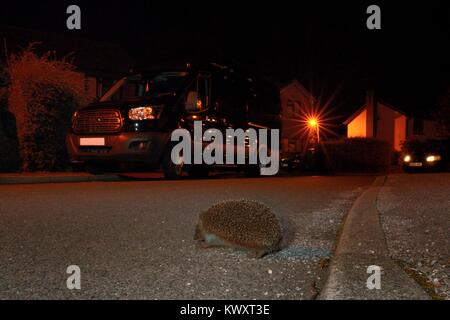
x=199, y=171
x=172, y=170
x=253, y=171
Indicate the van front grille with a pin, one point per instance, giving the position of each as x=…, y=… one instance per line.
x=97, y=121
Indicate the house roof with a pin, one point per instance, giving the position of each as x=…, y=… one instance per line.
x=294, y=84
x=297, y=86
x=354, y=115
x=388, y=105
x=422, y=113
x=90, y=56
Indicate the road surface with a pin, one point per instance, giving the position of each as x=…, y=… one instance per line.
x=134, y=239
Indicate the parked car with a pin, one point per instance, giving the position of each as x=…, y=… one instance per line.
x=134, y=119
x=427, y=155
x=291, y=161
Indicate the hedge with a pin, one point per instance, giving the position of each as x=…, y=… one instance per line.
x=357, y=155
x=43, y=93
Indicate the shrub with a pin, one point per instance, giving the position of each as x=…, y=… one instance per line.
x=359, y=155
x=43, y=94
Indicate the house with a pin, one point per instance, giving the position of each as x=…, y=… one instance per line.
x=378, y=119
x=100, y=62
x=295, y=101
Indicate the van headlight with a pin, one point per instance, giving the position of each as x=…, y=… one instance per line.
x=433, y=158
x=142, y=113
x=407, y=158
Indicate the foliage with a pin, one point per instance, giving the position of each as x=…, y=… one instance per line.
x=43, y=93
x=358, y=155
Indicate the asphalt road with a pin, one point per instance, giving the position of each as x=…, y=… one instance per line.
x=135, y=239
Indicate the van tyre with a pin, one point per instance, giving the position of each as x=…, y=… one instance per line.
x=172, y=170
x=199, y=172
x=253, y=171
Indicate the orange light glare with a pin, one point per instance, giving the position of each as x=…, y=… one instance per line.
x=312, y=122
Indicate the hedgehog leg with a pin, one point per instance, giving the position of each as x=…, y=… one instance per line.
x=204, y=245
x=207, y=245
x=257, y=254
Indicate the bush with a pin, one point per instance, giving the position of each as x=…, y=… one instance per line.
x=43, y=94
x=358, y=155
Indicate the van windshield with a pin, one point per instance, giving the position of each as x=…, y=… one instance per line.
x=137, y=86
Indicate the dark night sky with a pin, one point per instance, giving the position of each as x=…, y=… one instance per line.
x=326, y=45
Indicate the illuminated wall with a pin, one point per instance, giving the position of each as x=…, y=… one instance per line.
x=386, y=123
x=400, y=132
x=358, y=127
x=391, y=126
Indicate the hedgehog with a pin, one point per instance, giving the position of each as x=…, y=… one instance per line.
x=240, y=224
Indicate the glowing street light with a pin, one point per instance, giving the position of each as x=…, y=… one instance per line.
x=313, y=124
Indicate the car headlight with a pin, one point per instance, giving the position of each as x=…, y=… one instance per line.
x=433, y=158
x=142, y=113
x=407, y=158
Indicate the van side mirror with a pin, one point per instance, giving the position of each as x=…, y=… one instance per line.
x=191, y=101
x=216, y=107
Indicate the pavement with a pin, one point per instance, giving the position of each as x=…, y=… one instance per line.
x=361, y=246
x=54, y=177
x=134, y=239
x=415, y=216
x=65, y=177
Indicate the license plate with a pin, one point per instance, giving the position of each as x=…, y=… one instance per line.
x=415, y=164
x=92, y=142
